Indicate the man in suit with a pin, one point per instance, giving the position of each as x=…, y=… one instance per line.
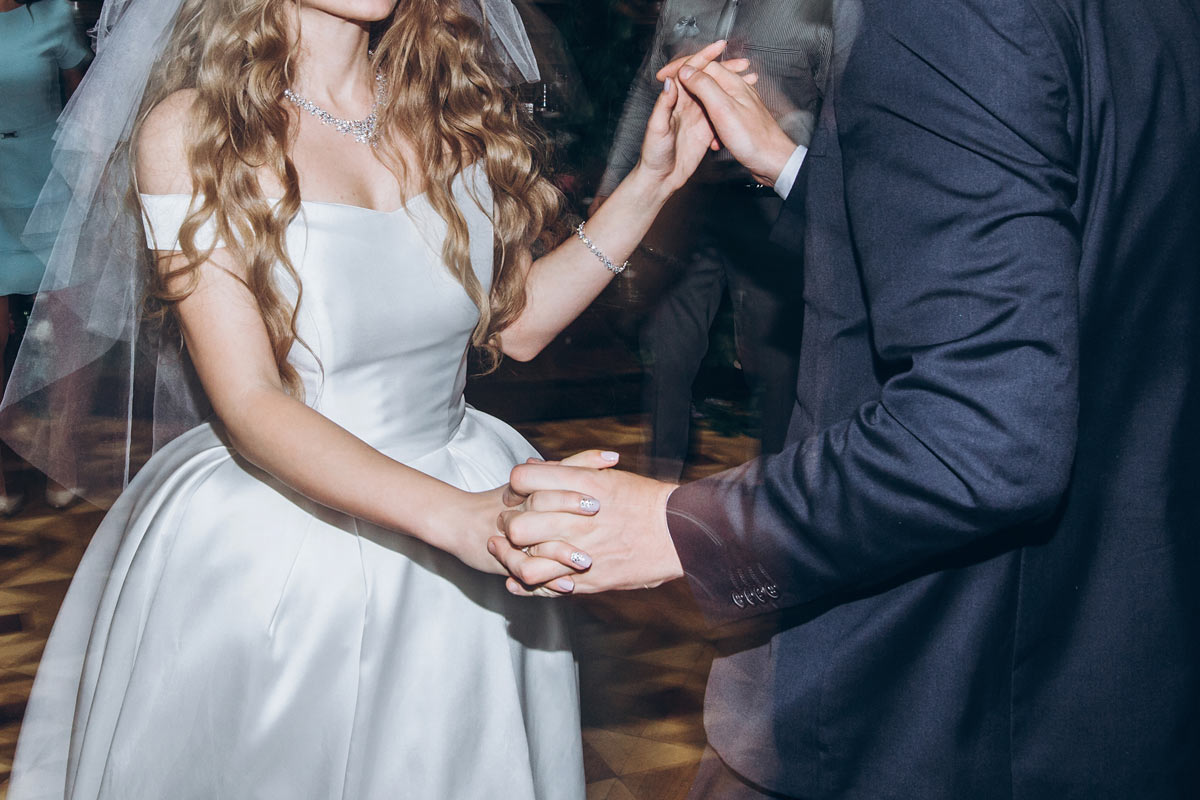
x=722, y=221
x=979, y=551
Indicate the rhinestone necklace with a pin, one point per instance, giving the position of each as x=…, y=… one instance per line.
x=363, y=130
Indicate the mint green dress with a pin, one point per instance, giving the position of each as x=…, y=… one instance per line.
x=36, y=42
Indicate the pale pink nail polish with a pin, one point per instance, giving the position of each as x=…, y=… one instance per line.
x=581, y=560
x=610, y=455
x=589, y=505
x=564, y=584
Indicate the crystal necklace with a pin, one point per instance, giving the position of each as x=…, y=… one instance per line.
x=363, y=130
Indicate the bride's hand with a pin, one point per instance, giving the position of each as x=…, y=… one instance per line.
x=475, y=520
x=678, y=133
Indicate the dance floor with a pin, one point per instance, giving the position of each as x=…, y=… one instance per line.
x=643, y=656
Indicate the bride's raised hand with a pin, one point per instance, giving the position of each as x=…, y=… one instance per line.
x=678, y=133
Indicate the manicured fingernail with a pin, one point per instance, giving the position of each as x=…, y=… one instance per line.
x=581, y=560
x=609, y=455
x=564, y=584
x=687, y=72
x=666, y=85
x=511, y=585
x=492, y=547
x=589, y=505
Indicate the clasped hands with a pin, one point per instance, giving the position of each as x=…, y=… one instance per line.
x=614, y=523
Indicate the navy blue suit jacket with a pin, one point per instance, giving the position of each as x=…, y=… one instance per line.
x=979, y=556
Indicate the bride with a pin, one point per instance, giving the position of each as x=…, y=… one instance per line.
x=290, y=599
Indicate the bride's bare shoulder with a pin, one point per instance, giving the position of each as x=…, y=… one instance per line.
x=161, y=148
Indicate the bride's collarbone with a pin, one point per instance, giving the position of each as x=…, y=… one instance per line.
x=344, y=172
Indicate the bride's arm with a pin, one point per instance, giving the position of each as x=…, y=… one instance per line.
x=228, y=343
x=561, y=284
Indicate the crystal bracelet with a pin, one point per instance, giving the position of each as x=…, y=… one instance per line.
x=605, y=260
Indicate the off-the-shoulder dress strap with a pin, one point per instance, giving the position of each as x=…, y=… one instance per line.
x=163, y=216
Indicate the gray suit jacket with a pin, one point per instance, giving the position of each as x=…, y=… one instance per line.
x=787, y=41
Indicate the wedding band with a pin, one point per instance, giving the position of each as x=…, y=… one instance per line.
x=525, y=550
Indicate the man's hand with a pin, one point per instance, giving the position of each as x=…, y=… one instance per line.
x=678, y=133
x=737, y=114
x=627, y=539
x=549, y=565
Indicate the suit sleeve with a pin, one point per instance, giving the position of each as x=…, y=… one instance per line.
x=959, y=180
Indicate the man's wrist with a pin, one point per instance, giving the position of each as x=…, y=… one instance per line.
x=791, y=169
x=671, y=562
x=772, y=157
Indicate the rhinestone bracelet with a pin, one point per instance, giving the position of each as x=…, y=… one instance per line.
x=605, y=260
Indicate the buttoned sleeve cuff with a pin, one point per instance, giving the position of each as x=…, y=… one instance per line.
x=783, y=184
x=728, y=584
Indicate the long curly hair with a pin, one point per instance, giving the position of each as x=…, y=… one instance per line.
x=445, y=101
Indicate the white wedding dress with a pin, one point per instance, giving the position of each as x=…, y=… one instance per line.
x=227, y=638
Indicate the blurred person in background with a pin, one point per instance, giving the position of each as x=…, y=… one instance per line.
x=718, y=232
x=42, y=58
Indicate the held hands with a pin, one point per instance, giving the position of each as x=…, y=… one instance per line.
x=474, y=521
x=734, y=111
x=626, y=540
x=678, y=133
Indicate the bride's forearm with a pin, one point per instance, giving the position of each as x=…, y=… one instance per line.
x=562, y=283
x=328, y=464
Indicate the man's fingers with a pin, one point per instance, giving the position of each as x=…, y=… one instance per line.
x=596, y=459
x=705, y=56
x=531, y=568
x=738, y=65
x=526, y=479
x=715, y=99
x=525, y=528
x=697, y=60
x=729, y=80
x=701, y=60
x=512, y=497
x=568, y=502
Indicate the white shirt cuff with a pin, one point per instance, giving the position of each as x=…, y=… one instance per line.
x=783, y=184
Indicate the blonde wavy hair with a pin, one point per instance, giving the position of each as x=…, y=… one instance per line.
x=444, y=100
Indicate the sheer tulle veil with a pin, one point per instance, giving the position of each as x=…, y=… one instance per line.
x=96, y=387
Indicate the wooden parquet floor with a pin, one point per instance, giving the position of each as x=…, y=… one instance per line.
x=643, y=656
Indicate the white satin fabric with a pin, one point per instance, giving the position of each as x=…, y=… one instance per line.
x=226, y=637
